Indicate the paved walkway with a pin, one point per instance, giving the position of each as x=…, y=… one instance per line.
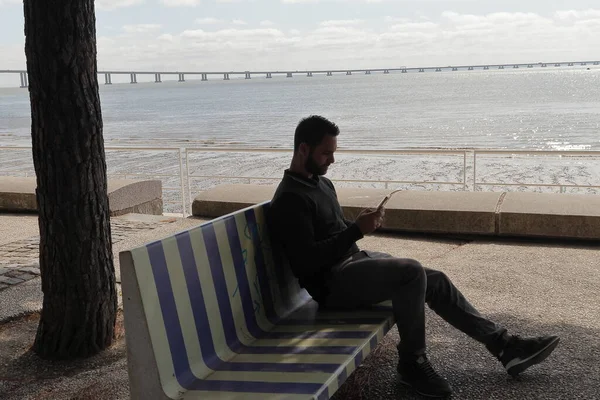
x=20, y=283
x=19, y=260
x=530, y=287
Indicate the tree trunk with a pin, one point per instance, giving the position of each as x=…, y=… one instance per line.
x=78, y=277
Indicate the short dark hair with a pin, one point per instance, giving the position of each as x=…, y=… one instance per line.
x=311, y=130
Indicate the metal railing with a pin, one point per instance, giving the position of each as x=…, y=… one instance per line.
x=467, y=156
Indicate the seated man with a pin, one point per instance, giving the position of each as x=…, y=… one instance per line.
x=321, y=247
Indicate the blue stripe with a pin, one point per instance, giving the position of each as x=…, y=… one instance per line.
x=358, y=359
x=183, y=373
x=342, y=377
x=216, y=268
x=259, y=259
x=373, y=342
x=242, y=278
x=324, y=395
x=280, y=367
x=197, y=302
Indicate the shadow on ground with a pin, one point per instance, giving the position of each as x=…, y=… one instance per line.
x=571, y=372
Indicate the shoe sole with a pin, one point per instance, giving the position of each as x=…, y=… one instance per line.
x=534, y=359
x=430, y=395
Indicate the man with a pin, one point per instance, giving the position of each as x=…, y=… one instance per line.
x=321, y=247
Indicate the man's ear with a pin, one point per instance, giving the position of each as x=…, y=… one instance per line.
x=304, y=149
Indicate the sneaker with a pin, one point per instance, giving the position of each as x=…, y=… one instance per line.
x=418, y=373
x=520, y=354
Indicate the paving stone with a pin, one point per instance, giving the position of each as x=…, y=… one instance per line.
x=25, y=276
x=31, y=270
x=10, y=281
x=19, y=260
x=13, y=273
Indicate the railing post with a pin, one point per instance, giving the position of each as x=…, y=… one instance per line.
x=182, y=183
x=464, y=171
x=187, y=175
x=474, y=170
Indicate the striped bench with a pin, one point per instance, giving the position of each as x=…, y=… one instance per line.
x=215, y=313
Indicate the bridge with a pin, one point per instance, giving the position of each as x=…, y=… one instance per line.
x=309, y=73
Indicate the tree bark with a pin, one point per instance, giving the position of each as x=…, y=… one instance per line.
x=76, y=261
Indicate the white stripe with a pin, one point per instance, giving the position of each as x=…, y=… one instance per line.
x=156, y=324
x=210, y=297
x=184, y=309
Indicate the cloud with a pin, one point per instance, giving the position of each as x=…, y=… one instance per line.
x=396, y=19
x=225, y=35
x=10, y=2
x=341, y=22
x=141, y=28
x=267, y=23
x=180, y=3
x=208, y=21
x=450, y=38
x=108, y=5
x=238, y=22
x=167, y=37
x=577, y=15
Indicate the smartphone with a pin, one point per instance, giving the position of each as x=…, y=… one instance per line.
x=385, y=200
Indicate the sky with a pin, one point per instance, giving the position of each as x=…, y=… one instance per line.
x=216, y=35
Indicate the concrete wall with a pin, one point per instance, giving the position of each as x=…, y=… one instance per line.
x=124, y=196
x=544, y=215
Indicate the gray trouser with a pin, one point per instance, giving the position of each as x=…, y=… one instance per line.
x=370, y=278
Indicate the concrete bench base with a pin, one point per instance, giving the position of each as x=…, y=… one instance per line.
x=545, y=215
x=124, y=196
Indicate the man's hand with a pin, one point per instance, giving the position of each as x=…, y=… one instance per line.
x=369, y=220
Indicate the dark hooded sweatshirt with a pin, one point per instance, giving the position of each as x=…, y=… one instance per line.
x=307, y=221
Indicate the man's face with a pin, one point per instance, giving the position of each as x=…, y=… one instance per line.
x=321, y=156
